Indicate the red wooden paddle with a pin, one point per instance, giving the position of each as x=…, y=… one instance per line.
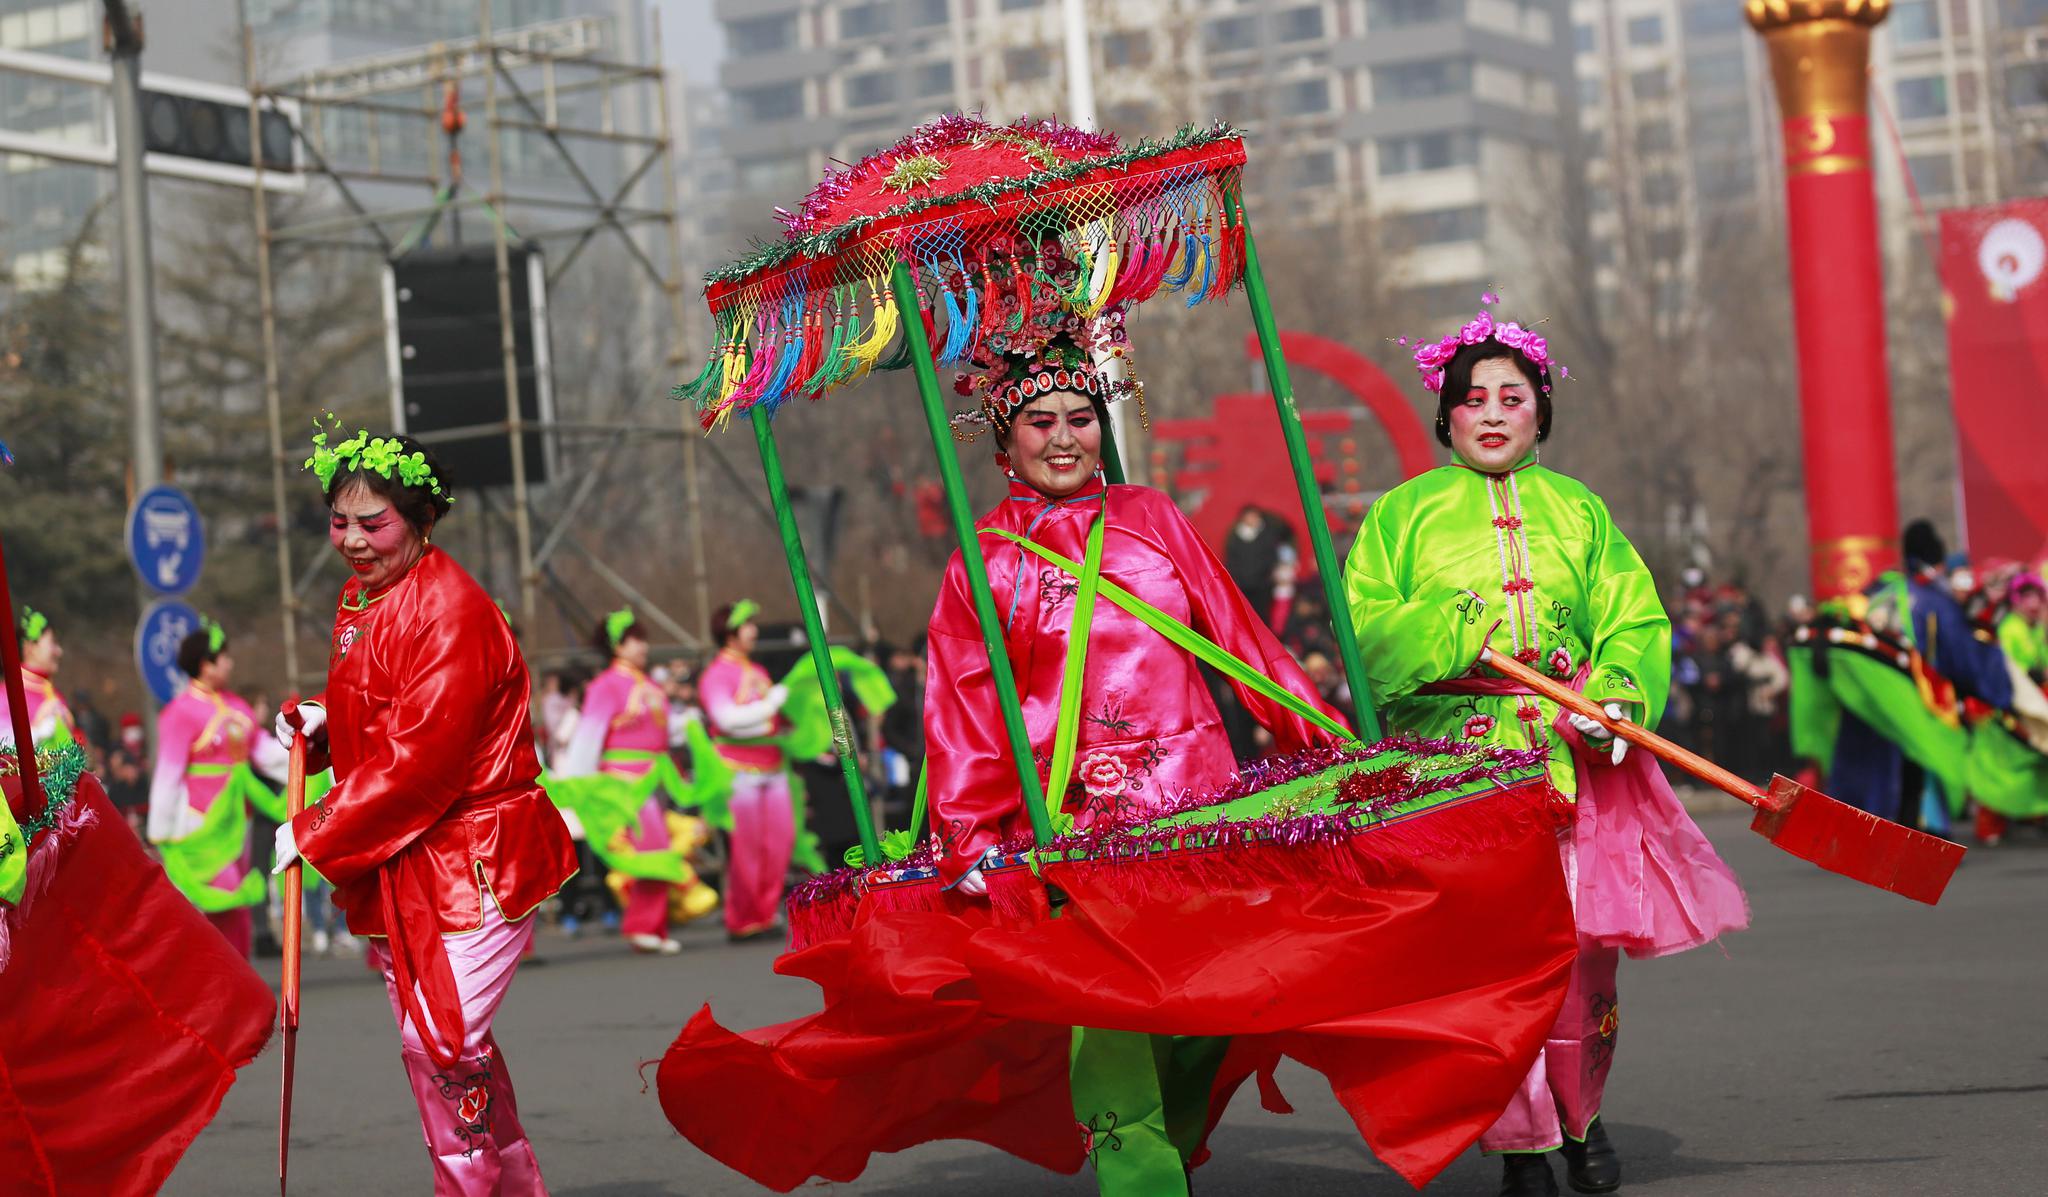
x=1801, y=820
x=17, y=700
x=294, y=917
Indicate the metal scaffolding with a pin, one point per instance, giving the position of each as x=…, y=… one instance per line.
x=552, y=86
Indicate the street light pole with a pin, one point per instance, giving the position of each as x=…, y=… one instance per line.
x=122, y=36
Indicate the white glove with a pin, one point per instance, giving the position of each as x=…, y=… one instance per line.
x=1596, y=733
x=776, y=696
x=287, y=848
x=972, y=883
x=312, y=721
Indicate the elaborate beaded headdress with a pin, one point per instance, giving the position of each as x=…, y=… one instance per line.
x=1041, y=345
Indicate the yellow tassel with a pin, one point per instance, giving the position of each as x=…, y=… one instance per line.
x=881, y=330
x=1104, y=281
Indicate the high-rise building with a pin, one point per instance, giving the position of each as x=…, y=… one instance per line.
x=1414, y=116
x=41, y=199
x=1965, y=85
x=1680, y=123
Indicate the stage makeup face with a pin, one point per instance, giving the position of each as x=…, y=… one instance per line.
x=42, y=654
x=633, y=651
x=1056, y=443
x=373, y=540
x=1495, y=426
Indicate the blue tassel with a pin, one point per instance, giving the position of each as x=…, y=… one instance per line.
x=1208, y=273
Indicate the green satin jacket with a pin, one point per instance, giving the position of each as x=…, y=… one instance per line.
x=1531, y=558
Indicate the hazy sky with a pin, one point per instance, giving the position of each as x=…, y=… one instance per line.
x=691, y=40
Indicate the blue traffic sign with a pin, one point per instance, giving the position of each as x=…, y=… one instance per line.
x=165, y=540
x=164, y=626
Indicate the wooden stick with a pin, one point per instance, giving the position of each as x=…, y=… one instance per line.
x=1635, y=733
x=294, y=919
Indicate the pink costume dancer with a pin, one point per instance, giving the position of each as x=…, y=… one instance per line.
x=741, y=708
x=623, y=732
x=203, y=787
x=49, y=719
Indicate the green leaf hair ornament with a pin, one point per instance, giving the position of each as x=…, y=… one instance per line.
x=34, y=624
x=385, y=456
x=216, y=636
x=617, y=624
x=742, y=611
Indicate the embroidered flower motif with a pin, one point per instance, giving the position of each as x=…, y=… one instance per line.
x=1477, y=726
x=1528, y=712
x=1561, y=661
x=475, y=1100
x=1103, y=775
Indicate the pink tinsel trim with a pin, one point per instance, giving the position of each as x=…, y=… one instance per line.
x=1293, y=852
x=825, y=906
x=953, y=129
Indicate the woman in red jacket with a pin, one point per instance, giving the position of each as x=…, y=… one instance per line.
x=437, y=836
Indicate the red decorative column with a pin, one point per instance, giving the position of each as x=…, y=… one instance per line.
x=1820, y=51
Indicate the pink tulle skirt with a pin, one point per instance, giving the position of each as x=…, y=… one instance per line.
x=1649, y=882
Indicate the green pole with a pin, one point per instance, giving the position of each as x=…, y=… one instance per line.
x=814, y=631
x=935, y=419
x=1305, y=482
x=1112, y=457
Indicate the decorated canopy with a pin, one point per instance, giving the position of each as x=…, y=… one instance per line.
x=979, y=213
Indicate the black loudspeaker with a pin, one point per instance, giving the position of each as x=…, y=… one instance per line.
x=447, y=360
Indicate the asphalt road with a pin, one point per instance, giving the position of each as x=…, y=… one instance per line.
x=1851, y=1043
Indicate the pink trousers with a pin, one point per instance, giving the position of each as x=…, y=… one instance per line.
x=1562, y=1093
x=763, y=833
x=468, y=1113
x=646, y=910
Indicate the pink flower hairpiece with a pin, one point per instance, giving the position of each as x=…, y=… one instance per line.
x=1431, y=357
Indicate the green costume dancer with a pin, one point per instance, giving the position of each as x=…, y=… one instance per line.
x=1578, y=585
x=2007, y=768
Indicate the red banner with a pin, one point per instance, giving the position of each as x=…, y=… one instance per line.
x=1994, y=273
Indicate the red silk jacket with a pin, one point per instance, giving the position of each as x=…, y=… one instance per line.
x=436, y=797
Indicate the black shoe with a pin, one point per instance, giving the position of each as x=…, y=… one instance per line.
x=1592, y=1166
x=1527, y=1174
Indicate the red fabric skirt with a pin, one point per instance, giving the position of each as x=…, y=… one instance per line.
x=125, y=1015
x=1417, y=967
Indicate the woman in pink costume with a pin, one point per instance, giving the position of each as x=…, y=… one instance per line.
x=742, y=707
x=623, y=733
x=1497, y=551
x=49, y=719
x=200, y=796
